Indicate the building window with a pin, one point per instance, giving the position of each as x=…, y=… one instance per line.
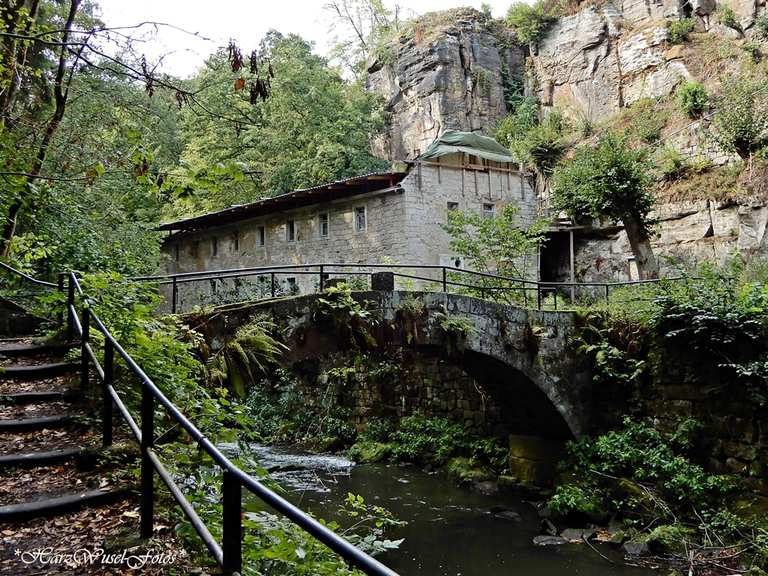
x=323, y=222
x=290, y=231
x=361, y=220
x=453, y=206
x=489, y=210
x=261, y=236
x=236, y=242
x=292, y=285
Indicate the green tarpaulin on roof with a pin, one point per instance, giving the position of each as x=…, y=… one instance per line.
x=453, y=141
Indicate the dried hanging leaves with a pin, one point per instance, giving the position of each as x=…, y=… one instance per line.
x=259, y=88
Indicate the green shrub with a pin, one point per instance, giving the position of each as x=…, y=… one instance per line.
x=671, y=163
x=677, y=31
x=741, y=120
x=761, y=26
x=754, y=50
x=727, y=17
x=692, y=98
x=639, y=455
x=432, y=441
x=378, y=430
x=530, y=21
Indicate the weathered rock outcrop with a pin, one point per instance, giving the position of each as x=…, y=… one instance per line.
x=448, y=72
x=605, y=57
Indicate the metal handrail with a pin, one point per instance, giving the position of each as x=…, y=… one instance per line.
x=27, y=277
x=228, y=554
x=446, y=280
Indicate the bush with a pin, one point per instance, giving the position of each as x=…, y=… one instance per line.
x=677, y=31
x=692, y=99
x=727, y=17
x=671, y=163
x=761, y=26
x=432, y=441
x=639, y=455
x=741, y=120
x=529, y=21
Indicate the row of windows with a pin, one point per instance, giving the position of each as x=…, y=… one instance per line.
x=323, y=226
x=489, y=209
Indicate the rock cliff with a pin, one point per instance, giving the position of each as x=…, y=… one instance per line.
x=450, y=70
x=598, y=64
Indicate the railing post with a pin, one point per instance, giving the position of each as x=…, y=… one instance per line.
x=174, y=295
x=607, y=295
x=554, y=293
x=61, y=291
x=70, y=303
x=231, y=524
x=445, y=279
x=272, y=282
x=106, y=397
x=322, y=278
x=538, y=296
x=86, y=325
x=147, y=470
x=525, y=295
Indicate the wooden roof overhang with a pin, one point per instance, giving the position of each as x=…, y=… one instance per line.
x=331, y=191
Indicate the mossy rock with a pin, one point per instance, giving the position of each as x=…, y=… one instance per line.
x=370, y=452
x=463, y=471
x=669, y=538
x=752, y=508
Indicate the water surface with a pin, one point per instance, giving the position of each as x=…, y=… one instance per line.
x=451, y=531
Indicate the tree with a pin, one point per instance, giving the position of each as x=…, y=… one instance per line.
x=611, y=180
x=741, y=120
x=498, y=245
x=314, y=128
x=364, y=28
x=530, y=21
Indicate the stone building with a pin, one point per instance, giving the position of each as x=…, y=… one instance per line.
x=387, y=217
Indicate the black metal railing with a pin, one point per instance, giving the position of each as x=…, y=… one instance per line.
x=228, y=553
x=528, y=293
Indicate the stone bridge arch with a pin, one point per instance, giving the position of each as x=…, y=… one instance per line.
x=523, y=356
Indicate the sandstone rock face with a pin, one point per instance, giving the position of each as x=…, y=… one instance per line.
x=451, y=77
x=590, y=66
x=690, y=232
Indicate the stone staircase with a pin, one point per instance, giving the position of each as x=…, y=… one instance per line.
x=58, y=488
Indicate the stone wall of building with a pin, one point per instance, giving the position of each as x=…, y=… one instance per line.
x=403, y=227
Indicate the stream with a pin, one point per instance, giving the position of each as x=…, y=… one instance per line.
x=451, y=531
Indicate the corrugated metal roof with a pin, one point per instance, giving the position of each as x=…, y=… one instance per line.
x=338, y=189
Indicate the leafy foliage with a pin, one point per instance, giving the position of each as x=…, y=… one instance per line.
x=315, y=127
x=246, y=357
x=727, y=17
x=741, y=120
x=497, y=244
x=692, y=98
x=533, y=142
x=530, y=21
x=608, y=180
x=638, y=468
x=678, y=30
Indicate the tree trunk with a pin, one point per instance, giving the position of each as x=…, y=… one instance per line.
x=647, y=266
x=61, y=92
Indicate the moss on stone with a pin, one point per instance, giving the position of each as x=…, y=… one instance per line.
x=366, y=452
x=463, y=471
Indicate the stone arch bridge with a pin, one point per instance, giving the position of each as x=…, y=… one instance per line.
x=524, y=356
